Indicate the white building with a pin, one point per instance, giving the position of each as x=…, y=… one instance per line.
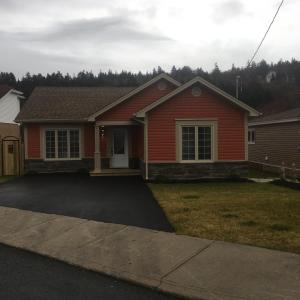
x=9, y=104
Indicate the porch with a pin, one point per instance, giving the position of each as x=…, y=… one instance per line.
x=119, y=147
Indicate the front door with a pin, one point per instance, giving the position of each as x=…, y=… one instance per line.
x=119, y=157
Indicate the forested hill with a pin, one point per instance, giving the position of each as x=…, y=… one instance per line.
x=267, y=87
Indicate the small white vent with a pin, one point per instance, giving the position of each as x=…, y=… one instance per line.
x=196, y=91
x=162, y=85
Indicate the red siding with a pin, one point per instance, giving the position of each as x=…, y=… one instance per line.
x=162, y=129
x=125, y=110
x=89, y=140
x=33, y=141
x=138, y=141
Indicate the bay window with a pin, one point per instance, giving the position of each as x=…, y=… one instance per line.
x=62, y=143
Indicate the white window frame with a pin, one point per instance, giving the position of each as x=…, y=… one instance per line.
x=56, y=129
x=251, y=134
x=197, y=123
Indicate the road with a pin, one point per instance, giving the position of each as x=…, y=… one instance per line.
x=28, y=276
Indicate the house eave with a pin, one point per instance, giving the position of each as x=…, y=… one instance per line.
x=274, y=122
x=23, y=121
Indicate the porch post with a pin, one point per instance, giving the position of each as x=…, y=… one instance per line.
x=97, y=154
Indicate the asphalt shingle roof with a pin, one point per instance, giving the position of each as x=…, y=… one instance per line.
x=285, y=115
x=68, y=103
x=4, y=89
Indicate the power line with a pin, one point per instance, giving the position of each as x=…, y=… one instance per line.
x=265, y=35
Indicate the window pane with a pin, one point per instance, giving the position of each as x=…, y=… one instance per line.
x=251, y=136
x=62, y=143
x=119, y=142
x=50, y=143
x=74, y=143
x=188, y=143
x=204, y=143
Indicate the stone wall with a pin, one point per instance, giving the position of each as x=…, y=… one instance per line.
x=196, y=171
x=87, y=164
x=41, y=166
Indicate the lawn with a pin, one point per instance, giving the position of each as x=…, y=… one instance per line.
x=259, y=214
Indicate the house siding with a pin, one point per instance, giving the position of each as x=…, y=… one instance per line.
x=9, y=108
x=162, y=125
x=278, y=142
x=89, y=141
x=33, y=141
x=125, y=111
x=138, y=142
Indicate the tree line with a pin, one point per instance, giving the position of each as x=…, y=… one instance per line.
x=275, y=85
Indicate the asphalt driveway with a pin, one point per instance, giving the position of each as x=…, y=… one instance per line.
x=122, y=200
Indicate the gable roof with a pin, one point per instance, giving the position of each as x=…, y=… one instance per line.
x=291, y=115
x=252, y=111
x=68, y=104
x=134, y=92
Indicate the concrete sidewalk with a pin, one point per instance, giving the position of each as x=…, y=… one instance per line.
x=181, y=265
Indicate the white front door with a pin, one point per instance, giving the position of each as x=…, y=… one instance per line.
x=119, y=157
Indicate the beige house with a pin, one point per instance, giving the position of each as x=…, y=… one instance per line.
x=274, y=141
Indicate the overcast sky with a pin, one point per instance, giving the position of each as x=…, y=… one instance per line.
x=71, y=35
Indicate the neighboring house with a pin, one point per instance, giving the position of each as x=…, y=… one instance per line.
x=9, y=130
x=160, y=129
x=274, y=141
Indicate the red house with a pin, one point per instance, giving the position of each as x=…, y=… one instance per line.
x=159, y=129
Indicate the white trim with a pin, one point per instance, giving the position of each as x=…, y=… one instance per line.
x=251, y=142
x=274, y=122
x=57, y=128
x=146, y=157
x=252, y=111
x=213, y=124
x=134, y=92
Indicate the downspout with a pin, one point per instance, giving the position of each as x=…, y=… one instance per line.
x=146, y=146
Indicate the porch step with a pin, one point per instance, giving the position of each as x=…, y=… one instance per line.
x=117, y=172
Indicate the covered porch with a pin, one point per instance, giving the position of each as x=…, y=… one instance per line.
x=119, y=147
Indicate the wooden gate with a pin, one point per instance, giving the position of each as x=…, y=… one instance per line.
x=11, y=155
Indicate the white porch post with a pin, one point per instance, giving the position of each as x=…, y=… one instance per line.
x=97, y=154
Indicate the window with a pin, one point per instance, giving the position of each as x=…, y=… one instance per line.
x=251, y=136
x=62, y=144
x=196, y=143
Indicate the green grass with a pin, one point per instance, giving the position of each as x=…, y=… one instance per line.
x=255, y=173
x=256, y=214
x=6, y=178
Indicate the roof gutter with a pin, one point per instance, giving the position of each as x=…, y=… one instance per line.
x=51, y=121
x=274, y=122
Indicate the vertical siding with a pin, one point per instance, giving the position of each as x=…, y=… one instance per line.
x=279, y=142
x=33, y=141
x=162, y=129
x=125, y=110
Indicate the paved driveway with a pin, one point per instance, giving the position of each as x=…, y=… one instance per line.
x=123, y=200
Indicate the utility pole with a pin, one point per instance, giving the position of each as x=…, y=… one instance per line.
x=237, y=79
